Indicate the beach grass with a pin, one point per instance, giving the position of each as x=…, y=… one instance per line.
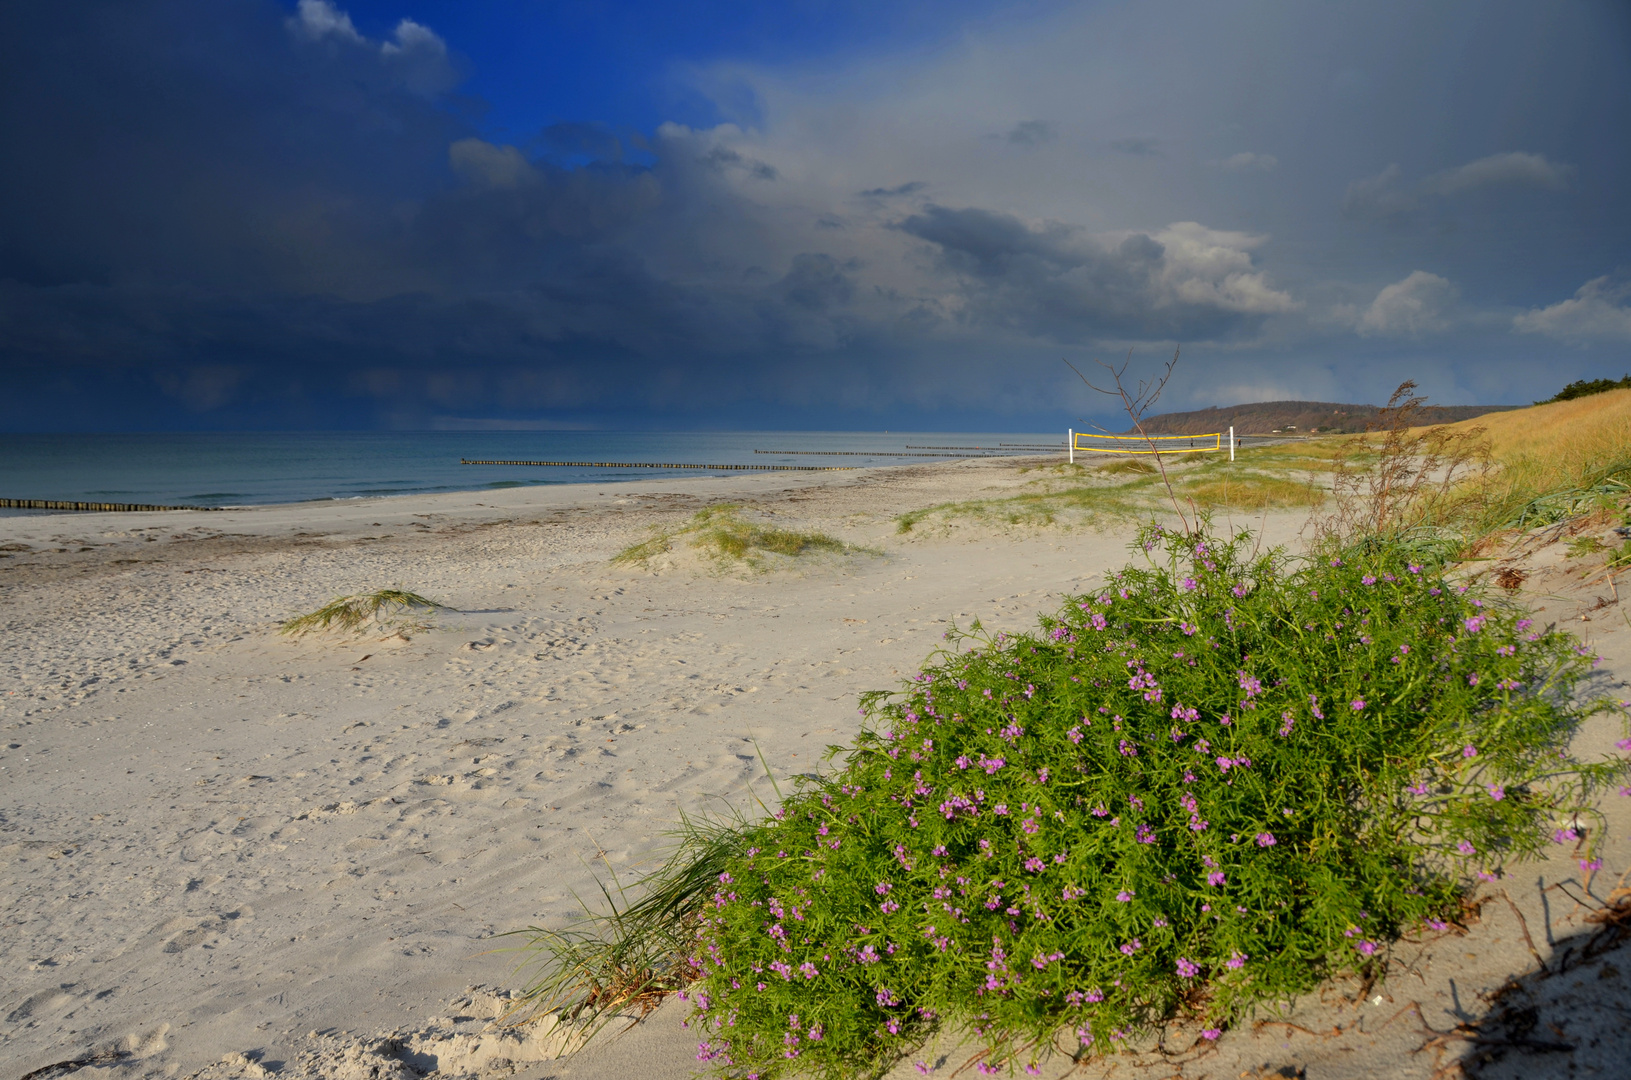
x=1123, y=490
x=724, y=535
x=1252, y=491
x=355, y=612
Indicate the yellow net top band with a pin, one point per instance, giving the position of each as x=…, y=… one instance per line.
x=1145, y=438
x=1149, y=443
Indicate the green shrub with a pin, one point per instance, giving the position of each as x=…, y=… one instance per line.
x=1213, y=784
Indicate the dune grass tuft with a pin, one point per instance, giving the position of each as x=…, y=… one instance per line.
x=1128, y=465
x=352, y=613
x=632, y=956
x=724, y=534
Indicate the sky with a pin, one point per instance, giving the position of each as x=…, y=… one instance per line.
x=847, y=214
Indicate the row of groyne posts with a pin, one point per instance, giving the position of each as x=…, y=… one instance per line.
x=1075, y=442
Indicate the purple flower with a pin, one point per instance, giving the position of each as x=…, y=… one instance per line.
x=1187, y=969
x=1497, y=792
x=1211, y=1034
x=1474, y=624
x=1125, y=896
x=1366, y=947
x=1357, y=704
x=882, y=888
x=1466, y=848
x=1237, y=961
x=1265, y=839
x=1132, y=946
x=1188, y=584
x=1035, y=865
x=1469, y=751
x=1216, y=877
x=1591, y=866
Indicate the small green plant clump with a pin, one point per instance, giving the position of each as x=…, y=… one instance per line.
x=353, y=613
x=721, y=532
x=1211, y=785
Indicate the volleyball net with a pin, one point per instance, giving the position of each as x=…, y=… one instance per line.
x=1084, y=442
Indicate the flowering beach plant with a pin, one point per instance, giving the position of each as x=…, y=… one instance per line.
x=1212, y=783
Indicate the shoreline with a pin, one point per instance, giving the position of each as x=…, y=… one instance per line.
x=230, y=854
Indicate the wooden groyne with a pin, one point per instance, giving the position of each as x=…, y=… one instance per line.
x=91, y=507
x=668, y=465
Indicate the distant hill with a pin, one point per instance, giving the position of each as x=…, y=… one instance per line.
x=1299, y=418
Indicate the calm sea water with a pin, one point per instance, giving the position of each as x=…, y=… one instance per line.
x=209, y=469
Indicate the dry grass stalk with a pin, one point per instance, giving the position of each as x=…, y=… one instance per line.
x=1405, y=479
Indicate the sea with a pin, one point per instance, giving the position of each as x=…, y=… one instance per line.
x=248, y=469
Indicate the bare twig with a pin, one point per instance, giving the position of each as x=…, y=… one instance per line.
x=1136, y=404
x=1523, y=925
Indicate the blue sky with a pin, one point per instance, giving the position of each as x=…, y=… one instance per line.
x=261, y=214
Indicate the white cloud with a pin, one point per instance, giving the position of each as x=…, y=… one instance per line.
x=415, y=58
x=1214, y=267
x=319, y=19
x=420, y=59
x=1513, y=169
x=1422, y=303
x=1598, y=312
x=1245, y=161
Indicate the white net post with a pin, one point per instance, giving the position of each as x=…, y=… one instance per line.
x=1070, y=439
x=1231, y=442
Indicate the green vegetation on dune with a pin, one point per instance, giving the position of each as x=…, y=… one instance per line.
x=722, y=533
x=383, y=607
x=1218, y=781
x=1128, y=488
x=1215, y=783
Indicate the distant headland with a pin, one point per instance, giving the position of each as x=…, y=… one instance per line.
x=1298, y=417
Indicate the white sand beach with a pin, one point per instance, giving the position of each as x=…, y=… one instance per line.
x=228, y=853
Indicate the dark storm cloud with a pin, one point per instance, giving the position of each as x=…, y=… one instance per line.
x=242, y=210
x=911, y=187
